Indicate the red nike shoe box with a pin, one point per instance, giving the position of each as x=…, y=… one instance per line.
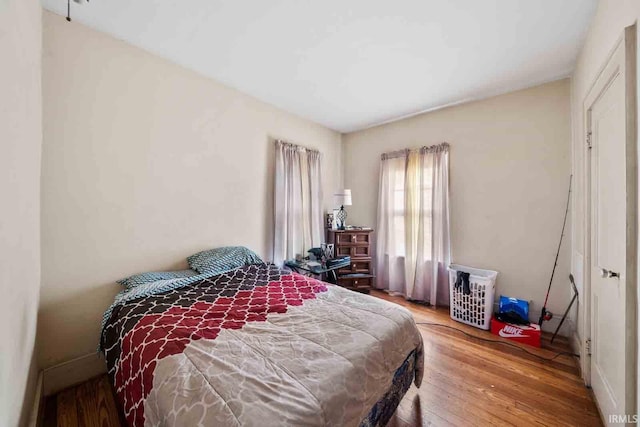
x=520, y=333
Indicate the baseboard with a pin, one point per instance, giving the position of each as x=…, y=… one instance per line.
x=576, y=347
x=35, y=418
x=73, y=372
x=576, y=343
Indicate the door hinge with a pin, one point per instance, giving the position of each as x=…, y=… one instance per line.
x=589, y=140
x=587, y=345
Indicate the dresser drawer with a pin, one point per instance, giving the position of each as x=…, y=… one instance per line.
x=352, y=238
x=343, y=251
x=353, y=251
x=357, y=283
x=357, y=266
x=360, y=251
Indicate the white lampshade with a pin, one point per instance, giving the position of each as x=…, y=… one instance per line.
x=343, y=197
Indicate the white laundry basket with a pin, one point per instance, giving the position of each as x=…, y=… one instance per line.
x=476, y=308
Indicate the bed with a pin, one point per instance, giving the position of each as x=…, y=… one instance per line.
x=262, y=346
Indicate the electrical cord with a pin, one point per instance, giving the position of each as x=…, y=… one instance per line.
x=548, y=359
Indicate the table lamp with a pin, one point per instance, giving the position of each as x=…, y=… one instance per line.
x=343, y=198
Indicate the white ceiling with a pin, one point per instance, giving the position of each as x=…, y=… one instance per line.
x=350, y=64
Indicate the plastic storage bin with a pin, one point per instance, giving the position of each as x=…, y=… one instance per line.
x=476, y=308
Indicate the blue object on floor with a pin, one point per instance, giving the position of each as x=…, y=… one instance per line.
x=514, y=305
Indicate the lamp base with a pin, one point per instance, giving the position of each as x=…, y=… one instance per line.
x=341, y=218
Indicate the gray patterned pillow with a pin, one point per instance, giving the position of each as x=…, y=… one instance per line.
x=223, y=259
x=153, y=276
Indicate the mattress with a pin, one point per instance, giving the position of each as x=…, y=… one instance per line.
x=260, y=346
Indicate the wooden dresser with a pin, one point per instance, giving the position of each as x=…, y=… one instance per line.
x=356, y=244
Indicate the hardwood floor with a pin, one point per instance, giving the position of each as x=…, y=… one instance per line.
x=89, y=404
x=467, y=382
x=472, y=382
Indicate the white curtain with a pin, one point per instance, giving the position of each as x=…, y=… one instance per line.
x=297, y=201
x=413, y=244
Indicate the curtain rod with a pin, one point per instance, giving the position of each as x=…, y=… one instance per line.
x=424, y=149
x=296, y=146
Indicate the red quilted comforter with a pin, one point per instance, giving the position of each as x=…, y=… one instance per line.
x=255, y=346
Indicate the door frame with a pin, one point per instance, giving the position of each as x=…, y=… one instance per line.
x=631, y=272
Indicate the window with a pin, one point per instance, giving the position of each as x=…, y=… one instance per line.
x=412, y=253
x=422, y=209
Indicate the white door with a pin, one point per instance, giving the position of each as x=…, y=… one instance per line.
x=610, y=112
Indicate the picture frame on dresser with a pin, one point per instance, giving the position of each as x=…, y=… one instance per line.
x=355, y=242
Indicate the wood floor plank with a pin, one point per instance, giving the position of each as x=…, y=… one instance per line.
x=107, y=410
x=412, y=411
x=67, y=410
x=525, y=394
x=497, y=371
x=496, y=381
x=50, y=412
x=435, y=408
x=467, y=382
x=504, y=405
x=87, y=404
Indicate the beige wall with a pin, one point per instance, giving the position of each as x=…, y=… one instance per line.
x=510, y=166
x=21, y=140
x=145, y=163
